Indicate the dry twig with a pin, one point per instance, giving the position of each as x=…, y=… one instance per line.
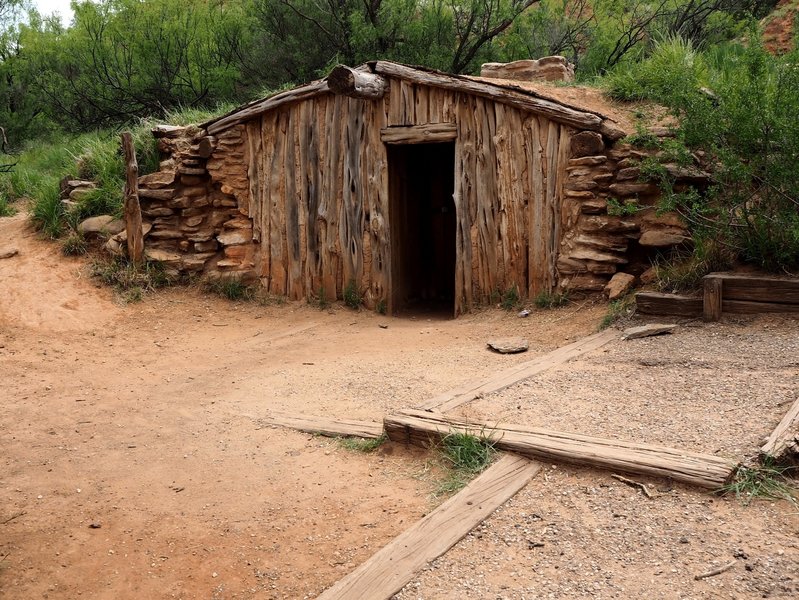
x=635, y=484
x=717, y=571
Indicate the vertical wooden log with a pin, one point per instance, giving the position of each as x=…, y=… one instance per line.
x=711, y=302
x=132, y=207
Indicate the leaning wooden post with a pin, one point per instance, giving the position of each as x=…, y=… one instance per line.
x=132, y=207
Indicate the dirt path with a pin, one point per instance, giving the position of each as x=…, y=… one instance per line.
x=144, y=419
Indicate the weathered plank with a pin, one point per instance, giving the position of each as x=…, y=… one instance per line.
x=385, y=573
x=657, y=303
x=748, y=307
x=754, y=288
x=783, y=443
x=325, y=426
x=419, y=134
x=704, y=470
x=556, y=112
x=507, y=377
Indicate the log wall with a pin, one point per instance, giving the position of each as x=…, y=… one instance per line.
x=321, y=228
x=298, y=197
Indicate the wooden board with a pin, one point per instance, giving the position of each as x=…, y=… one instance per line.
x=747, y=307
x=507, y=377
x=656, y=303
x=711, y=299
x=325, y=426
x=778, y=290
x=783, y=443
x=704, y=470
x=395, y=565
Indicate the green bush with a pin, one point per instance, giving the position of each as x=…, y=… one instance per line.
x=745, y=123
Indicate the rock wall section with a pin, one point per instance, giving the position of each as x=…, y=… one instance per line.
x=595, y=244
x=197, y=204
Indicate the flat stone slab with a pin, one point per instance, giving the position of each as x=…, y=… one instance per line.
x=8, y=252
x=509, y=345
x=648, y=330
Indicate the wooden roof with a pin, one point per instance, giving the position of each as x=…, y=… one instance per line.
x=559, y=104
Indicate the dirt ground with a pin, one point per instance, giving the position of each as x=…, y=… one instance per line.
x=135, y=462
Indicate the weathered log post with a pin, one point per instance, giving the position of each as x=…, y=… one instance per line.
x=354, y=83
x=133, y=224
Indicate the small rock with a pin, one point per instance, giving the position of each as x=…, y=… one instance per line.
x=95, y=525
x=95, y=225
x=509, y=346
x=619, y=285
x=8, y=253
x=648, y=330
x=659, y=239
x=524, y=313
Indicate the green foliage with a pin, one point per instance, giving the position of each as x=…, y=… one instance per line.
x=128, y=280
x=381, y=307
x=618, y=310
x=683, y=272
x=766, y=481
x=619, y=209
x=510, y=298
x=467, y=455
x=548, y=299
x=352, y=296
x=6, y=210
x=232, y=288
x=74, y=244
x=365, y=445
x=747, y=129
x=122, y=59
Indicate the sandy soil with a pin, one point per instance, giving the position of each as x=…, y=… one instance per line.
x=135, y=463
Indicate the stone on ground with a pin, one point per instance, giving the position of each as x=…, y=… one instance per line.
x=619, y=285
x=509, y=345
x=648, y=330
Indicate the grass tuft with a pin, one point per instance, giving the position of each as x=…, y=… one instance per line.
x=232, y=289
x=510, y=298
x=551, y=299
x=352, y=296
x=130, y=282
x=767, y=481
x=466, y=455
x=6, y=210
x=365, y=445
x=618, y=310
x=74, y=244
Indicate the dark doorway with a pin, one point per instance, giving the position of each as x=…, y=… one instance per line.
x=423, y=221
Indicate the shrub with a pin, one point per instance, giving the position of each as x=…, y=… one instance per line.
x=748, y=131
x=232, y=289
x=352, y=296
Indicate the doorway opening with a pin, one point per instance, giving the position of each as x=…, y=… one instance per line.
x=423, y=228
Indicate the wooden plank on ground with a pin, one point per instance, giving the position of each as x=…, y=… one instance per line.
x=325, y=426
x=705, y=470
x=507, y=377
x=385, y=573
x=783, y=443
x=657, y=303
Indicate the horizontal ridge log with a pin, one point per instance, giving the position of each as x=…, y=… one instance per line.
x=704, y=470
